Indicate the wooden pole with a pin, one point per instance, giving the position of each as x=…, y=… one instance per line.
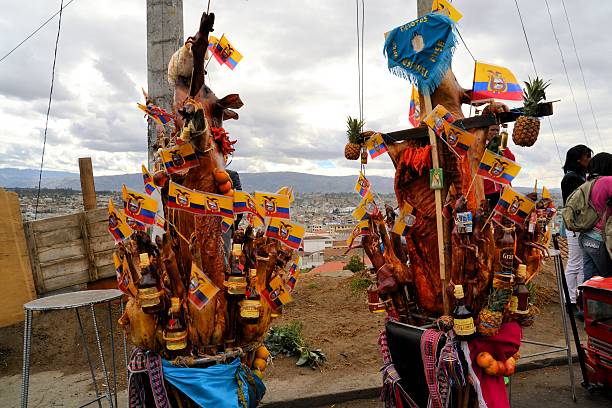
x=87, y=184
x=433, y=141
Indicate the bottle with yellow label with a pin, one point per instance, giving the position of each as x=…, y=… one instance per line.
x=463, y=318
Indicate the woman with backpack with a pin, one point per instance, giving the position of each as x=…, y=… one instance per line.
x=575, y=167
x=596, y=260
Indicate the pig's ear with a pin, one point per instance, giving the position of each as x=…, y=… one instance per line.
x=229, y=114
x=231, y=101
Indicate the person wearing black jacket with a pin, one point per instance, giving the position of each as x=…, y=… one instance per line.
x=575, y=167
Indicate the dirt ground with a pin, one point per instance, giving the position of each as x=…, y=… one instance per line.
x=335, y=319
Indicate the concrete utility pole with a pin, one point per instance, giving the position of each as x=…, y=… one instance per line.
x=164, y=37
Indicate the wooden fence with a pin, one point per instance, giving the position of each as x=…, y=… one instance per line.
x=70, y=250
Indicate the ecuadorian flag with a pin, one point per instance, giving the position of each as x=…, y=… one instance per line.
x=494, y=82
x=437, y=118
x=273, y=205
x=366, y=207
x=376, y=145
x=405, y=220
x=289, y=233
x=223, y=51
x=147, y=178
x=362, y=186
x=458, y=139
x=117, y=224
x=244, y=203
x=180, y=157
x=197, y=202
x=514, y=205
x=497, y=168
x=414, y=115
x=139, y=206
x=362, y=228
x=277, y=293
x=201, y=289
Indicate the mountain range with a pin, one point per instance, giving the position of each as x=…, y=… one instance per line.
x=268, y=181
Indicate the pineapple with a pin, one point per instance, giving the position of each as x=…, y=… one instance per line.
x=491, y=317
x=352, y=150
x=527, y=127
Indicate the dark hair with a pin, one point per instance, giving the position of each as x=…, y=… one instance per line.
x=600, y=165
x=573, y=155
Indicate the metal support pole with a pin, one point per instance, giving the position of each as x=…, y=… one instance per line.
x=112, y=348
x=91, y=367
x=101, y=354
x=125, y=356
x=25, y=373
x=564, y=317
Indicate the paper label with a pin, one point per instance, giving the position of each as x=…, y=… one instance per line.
x=464, y=327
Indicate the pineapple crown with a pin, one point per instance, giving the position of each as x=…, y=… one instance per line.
x=354, y=127
x=498, y=298
x=534, y=93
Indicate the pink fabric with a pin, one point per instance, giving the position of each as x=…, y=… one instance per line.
x=601, y=192
x=501, y=346
x=491, y=187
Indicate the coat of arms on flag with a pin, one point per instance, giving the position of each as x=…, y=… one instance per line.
x=362, y=186
x=514, y=205
x=376, y=145
x=273, y=205
x=497, y=168
x=223, y=51
x=405, y=220
x=458, y=139
x=494, y=82
x=178, y=158
x=289, y=233
x=362, y=228
x=436, y=118
x=276, y=293
x=139, y=206
x=117, y=224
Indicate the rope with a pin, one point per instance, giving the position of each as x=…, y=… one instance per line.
x=42, y=158
x=586, y=89
x=35, y=31
x=535, y=70
x=360, y=65
x=465, y=45
x=586, y=138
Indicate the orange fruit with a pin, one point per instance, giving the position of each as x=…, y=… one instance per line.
x=260, y=364
x=263, y=353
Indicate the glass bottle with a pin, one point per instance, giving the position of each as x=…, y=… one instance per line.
x=463, y=319
x=504, y=260
x=249, y=307
x=521, y=291
x=175, y=333
x=148, y=286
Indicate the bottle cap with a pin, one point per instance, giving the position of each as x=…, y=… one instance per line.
x=144, y=260
x=458, y=292
x=521, y=271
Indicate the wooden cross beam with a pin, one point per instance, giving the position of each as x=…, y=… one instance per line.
x=481, y=121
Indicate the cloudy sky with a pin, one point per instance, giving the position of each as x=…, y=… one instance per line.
x=298, y=79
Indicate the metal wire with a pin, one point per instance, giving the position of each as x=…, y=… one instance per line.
x=569, y=83
x=465, y=45
x=535, y=70
x=42, y=158
x=35, y=31
x=586, y=89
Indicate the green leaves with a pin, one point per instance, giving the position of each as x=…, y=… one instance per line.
x=354, y=127
x=288, y=339
x=534, y=93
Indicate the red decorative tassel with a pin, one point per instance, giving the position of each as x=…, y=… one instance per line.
x=222, y=138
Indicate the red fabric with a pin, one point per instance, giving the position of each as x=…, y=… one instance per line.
x=501, y=346
x=491, y=187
